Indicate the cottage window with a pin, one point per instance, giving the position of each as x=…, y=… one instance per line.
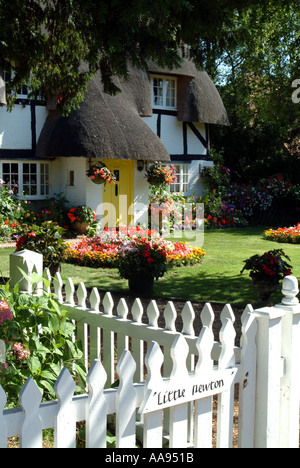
x=32, y=179
x=44, y=179
x=164, y=91
x=7, y=73
x=182, y=175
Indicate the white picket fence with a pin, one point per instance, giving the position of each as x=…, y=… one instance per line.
x=170, y=382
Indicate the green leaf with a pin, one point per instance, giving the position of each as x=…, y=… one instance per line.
x=48, y=375
x=67, y=328
x=35, y=365
x=56, y=369
x=55, y=305
x=54, y=324
x=48, y=386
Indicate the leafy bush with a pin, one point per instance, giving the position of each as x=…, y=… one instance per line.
x=10, y=207
x=53, y=209
x=12, y=211
x=46, y=240
x=38, y=337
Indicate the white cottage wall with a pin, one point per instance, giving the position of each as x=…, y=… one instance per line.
x=15, y=126
x=196, y=185
x=171, y=134
x=60, y=182
x=170, y=131
x=193, y=144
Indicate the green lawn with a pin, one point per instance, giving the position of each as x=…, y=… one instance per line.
x=217, y=279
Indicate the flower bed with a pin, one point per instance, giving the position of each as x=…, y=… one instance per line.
x=103, y=251
x=289, y=235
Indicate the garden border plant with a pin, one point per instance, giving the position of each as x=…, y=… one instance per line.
x=289, y=235
x=39, y=340
x=46, y=239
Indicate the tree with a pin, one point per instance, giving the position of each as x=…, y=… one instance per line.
x=255, y=76
x=47, y=41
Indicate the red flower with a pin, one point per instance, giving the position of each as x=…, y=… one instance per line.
x=20, y=242
x=150, y=260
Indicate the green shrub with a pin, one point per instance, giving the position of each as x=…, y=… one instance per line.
x=38, y=337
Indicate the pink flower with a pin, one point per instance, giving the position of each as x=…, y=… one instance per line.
x=5, y=312
x=22, y=353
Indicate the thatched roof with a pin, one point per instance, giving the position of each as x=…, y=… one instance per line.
x=111, y=127
x=105, y=127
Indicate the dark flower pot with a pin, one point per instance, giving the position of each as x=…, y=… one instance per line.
x=142, y=285
x=80, y=228
x=264, y=289
x=53, y=269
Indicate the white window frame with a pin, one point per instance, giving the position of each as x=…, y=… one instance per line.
x=183, y=178
x=164, y=97
x=7, y=74
x=42, y=178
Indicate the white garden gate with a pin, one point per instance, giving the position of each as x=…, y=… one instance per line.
x=168, y=398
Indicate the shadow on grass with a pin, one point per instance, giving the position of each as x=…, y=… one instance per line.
x=245, y=231
x=235, y=290
x=195, y=286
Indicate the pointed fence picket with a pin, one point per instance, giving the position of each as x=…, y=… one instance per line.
x=173, y=378
x=151, y=398
x=105, y=333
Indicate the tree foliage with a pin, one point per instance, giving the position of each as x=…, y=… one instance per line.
x=255, y=75
x=48, y=41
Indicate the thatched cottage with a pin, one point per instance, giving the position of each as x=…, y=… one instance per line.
x=160, y=115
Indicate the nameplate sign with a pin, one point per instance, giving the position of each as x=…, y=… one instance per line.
x=194, y=387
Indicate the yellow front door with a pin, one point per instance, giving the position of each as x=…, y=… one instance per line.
x=118, y=197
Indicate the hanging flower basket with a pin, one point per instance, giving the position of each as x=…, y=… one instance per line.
x=158, y=174
x=101, y=174
x=98, y=179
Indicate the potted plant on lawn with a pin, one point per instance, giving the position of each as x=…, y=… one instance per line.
x=101, y=174
x=266, y=271
x=81, y=218
x=158, y=174
x=141, y=261
x=47, y=240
